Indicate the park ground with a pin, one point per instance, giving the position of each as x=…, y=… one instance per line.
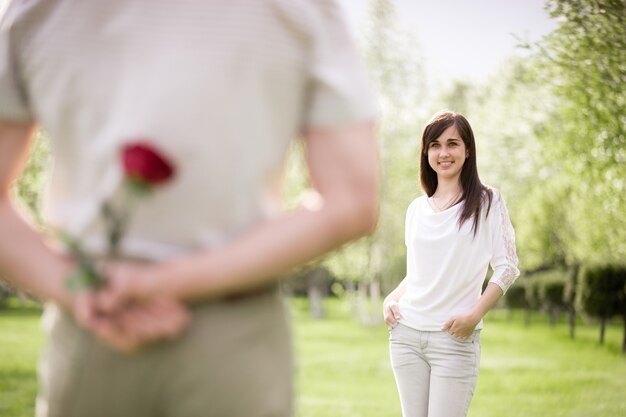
x=343, y=367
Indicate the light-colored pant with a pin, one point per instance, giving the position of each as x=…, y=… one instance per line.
x=435, y=372
x=234, y=360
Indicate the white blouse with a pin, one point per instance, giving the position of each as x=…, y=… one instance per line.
x=446, y=266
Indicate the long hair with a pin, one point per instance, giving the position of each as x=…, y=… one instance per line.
x=474, y=193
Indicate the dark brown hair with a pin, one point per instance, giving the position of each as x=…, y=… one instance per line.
x=475, y=194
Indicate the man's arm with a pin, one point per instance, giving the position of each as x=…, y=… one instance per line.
x=343, y=166
x=30, y=265
x=25, y=260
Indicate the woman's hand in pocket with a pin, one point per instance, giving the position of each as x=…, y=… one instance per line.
x=461, y=326
x=391, y=313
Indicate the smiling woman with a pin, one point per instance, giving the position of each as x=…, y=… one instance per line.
x=446, y=156
x=453, y=234
x=448, y=170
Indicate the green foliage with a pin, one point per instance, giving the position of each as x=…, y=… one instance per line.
x=508, y=114
x=531, y=292
x=541, y=291
x=28, y=188
x=583, y=65
x=552, y=289
x=551, y=135
x=602, y=291
x=551, y=286
x=5, y=293
x=516, y=297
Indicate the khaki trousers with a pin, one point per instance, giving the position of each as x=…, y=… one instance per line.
x=235, y=360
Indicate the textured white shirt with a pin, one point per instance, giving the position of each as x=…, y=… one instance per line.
x=220, y=87
x=446, y=267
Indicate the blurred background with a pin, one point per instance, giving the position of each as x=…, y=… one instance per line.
x=543, y=85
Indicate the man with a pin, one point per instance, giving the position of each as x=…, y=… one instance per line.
x=221, y=88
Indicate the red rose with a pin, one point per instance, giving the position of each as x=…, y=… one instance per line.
x=145, y=164
x=144, y=168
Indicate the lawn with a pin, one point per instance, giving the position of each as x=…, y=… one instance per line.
x=343, y=368
x=20, y=343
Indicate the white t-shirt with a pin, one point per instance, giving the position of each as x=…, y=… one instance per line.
x=220, y=87
x=446, y=267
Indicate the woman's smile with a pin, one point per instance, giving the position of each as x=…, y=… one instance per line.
x=446, y=154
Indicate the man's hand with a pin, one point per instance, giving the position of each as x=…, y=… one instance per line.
x=133, y=325
x=128, y=283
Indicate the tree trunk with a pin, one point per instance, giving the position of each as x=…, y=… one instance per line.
x=553, y=315
x=375, y=318
x=315, y=293
x=571, y=318
x=363, y=311
x=571, y=303
x=528, y=313
x=602, y=329
x=624, y=336
x=316, y=304
x=353, y=298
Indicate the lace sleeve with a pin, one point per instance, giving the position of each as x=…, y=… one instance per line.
x=504, y=259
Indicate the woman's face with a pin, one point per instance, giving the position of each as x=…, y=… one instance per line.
x=446, y=154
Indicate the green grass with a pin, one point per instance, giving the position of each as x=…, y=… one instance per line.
x=343, y=368
x=530, y=371
x=20, y=343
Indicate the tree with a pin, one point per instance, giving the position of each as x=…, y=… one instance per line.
x=533, y=300
x=552, y=292
x=582, y=65
x=515, y=298
x=602, y=294
x=28, y=188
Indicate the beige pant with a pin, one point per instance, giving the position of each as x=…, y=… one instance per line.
x=234, y=360
x=435, y=372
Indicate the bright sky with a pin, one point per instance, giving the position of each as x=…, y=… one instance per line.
x=464, y=39
x=461, y=38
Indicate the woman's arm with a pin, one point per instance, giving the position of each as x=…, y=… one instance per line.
x=343, y=167
x=463, y=325
x=504, y=261
x=504, y=264
x=391, y=312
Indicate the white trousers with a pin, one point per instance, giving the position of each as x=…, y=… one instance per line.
x=435, y=372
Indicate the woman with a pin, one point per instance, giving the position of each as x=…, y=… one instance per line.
x=453, y=233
